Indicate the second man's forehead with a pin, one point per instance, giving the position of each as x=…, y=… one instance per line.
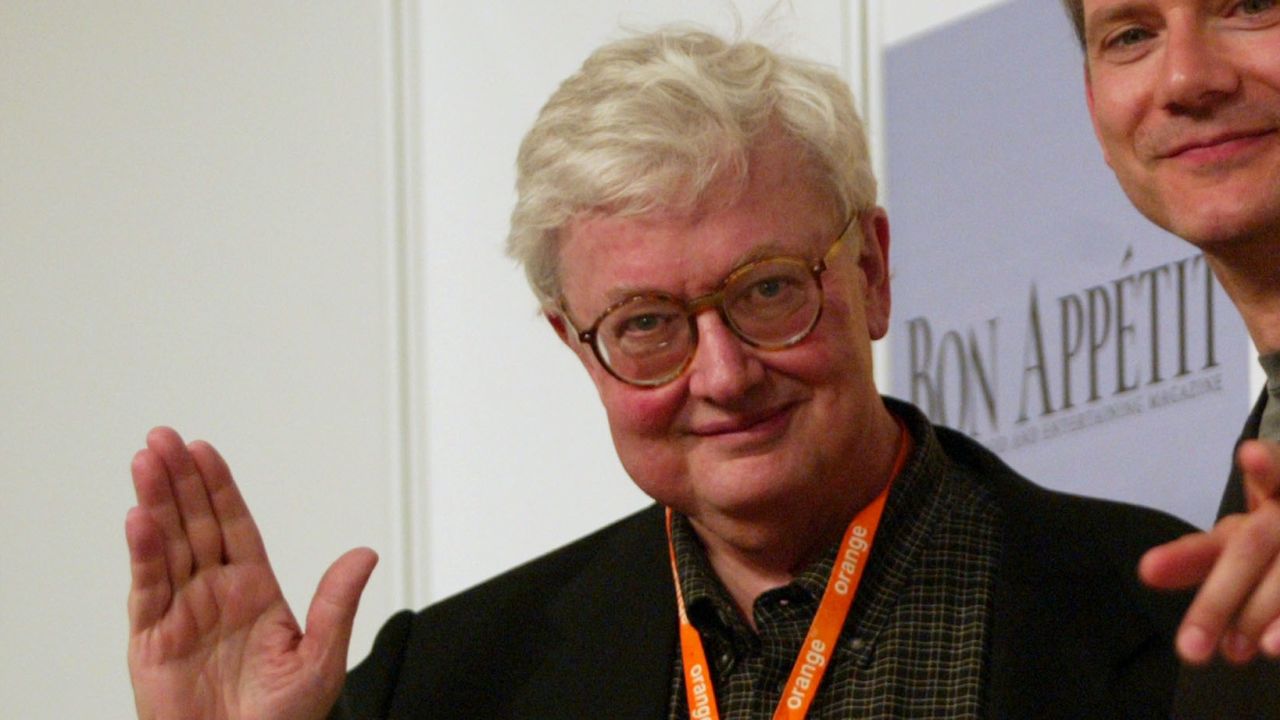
x=1099, y=14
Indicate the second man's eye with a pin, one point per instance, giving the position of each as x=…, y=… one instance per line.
x=1253, y=7
x=1129, y=37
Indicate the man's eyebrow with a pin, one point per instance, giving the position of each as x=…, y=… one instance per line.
x=617, y=294
x=763, y=251
x=1108, y=16
x=769, y=249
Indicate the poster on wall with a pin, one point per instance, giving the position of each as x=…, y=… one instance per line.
x=1034, y=309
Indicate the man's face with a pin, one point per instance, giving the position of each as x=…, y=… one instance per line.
x=1185, y=99
x=743, y=431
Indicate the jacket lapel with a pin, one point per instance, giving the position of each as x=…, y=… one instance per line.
x=613, y=635
x=1233, y=496
x=1060, y=632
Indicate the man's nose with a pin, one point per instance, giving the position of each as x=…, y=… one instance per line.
x=1197, y=71
x=724, y=367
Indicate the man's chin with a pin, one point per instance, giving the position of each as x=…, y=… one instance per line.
x=1216, y=217
x=749, y=482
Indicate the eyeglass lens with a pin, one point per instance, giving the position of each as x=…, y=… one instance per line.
x=770, y=304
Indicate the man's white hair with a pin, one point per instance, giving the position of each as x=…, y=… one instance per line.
x=651, y=121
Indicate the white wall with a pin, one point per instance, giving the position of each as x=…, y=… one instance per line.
x=197, y=229
x=277, y=225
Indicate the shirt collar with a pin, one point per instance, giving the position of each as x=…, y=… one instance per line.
x=1271, y=366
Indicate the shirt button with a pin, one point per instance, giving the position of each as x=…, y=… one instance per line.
x=857, y=644
x=784, y=602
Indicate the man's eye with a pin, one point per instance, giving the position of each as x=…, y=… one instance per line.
x=1254, y=7
x=1129, y=37
x=770, y=289
x=644, y=324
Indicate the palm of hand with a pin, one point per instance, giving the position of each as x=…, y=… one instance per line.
x=211, y=635
x=227, y=648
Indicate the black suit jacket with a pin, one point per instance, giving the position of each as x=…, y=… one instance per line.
x=590, y=630
x=1233, y=495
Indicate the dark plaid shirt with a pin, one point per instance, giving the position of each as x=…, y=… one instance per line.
x=913, y=644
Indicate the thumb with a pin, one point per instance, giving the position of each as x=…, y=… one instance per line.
x=1182, y=563
x=1259, y=461
x=333, y=609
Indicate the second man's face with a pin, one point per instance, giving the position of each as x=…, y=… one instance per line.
x=1185, y=100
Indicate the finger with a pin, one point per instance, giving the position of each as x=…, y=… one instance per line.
x=154, y=490
x=241, y=540
x=149, y=590
x=1270, y=642
x=1238, y=570
x=203, y=533
x=1263, y=606
x=1181, y=564
x=1259, y=462
x=333, y=609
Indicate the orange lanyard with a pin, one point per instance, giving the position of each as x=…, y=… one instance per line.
x=820, y=643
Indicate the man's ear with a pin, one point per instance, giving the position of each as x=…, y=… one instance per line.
x=569, y=336
x=873, y=260
x=559, y=325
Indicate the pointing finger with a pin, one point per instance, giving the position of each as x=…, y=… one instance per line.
x=1260, y=542
x=1259, y=462
x=1180, y=564
x=1248, y=541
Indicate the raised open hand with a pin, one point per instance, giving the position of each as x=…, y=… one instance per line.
x=210, y=634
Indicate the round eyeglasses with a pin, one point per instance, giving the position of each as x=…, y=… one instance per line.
x=649, y=339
